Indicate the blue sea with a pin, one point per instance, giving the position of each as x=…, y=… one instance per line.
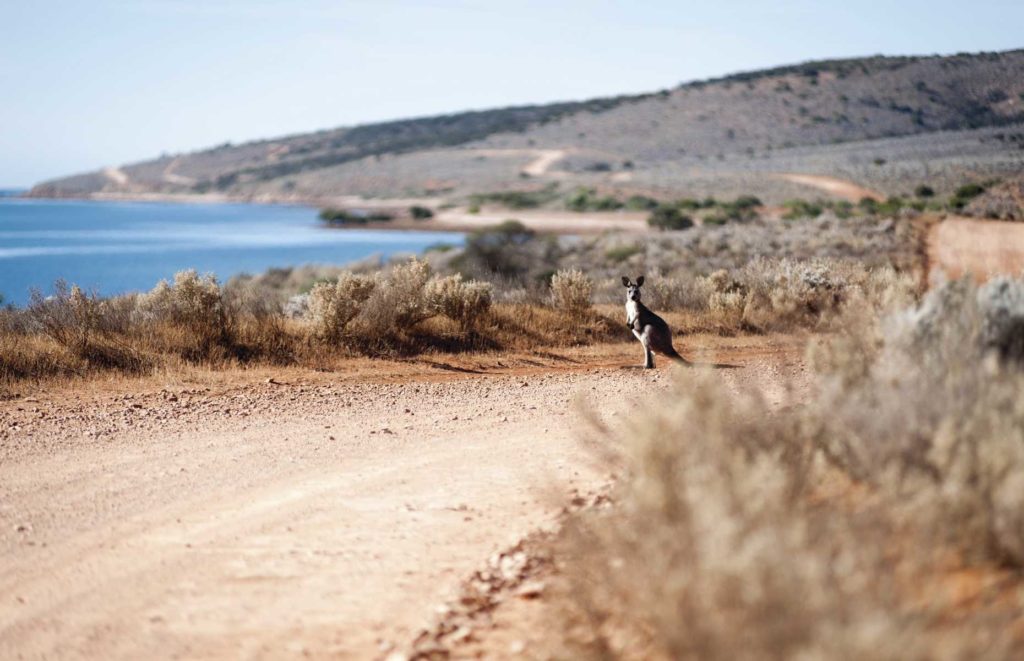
x=117, y=247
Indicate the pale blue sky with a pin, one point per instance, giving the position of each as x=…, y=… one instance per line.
x=87, y=84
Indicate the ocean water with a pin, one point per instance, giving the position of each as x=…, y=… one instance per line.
x=117, y=247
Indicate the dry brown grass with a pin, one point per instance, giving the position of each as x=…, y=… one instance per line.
x=832, y=529
x=193, y=321
x=405, y=310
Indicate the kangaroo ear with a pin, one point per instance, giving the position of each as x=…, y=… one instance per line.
x=625, y=281
x=640, y=281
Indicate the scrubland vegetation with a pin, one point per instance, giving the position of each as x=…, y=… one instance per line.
x=881, y=515
x=988, y=198
x=506, y=289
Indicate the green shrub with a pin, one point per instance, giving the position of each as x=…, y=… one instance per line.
x=501, y=250
x=335, y=216
x=965, y=194
x=668, y=217
x=641, y=203
x=742, y=208
x=746, y=202
x=586, y=199
x=620, y=254
x=924, y=191
x=517, y=199
x=868, y=205
x=842, y=208
x=892, y=206
x=797, y=208
x=420, y=212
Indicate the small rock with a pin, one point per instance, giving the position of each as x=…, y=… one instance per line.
x=461, y=634
x=530, y=590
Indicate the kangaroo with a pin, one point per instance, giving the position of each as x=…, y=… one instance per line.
x=649, y=328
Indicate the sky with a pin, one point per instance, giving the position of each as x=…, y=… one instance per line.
x=91, y=83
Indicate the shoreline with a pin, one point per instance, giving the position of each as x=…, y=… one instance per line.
x=457, y=219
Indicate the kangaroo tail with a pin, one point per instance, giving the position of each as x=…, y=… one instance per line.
x=674, y=355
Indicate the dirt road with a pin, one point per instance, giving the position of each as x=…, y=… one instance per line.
x=309, y=517
x=542, y=161
x=981, y=248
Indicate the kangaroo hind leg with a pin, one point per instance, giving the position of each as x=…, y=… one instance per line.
x=645, y=339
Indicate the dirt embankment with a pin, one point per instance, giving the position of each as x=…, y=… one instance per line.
x=305, y=515
x=979, y=248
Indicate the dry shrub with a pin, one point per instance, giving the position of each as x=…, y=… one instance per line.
x=823, y=531
x=785, y=294
x=397, y=303
x=260, y=330
x=779, y=295
x=333, y=305
x=928, y=408
x=678, y=293
x=381, y=314
x=82, y=325
x=713, y=550
x=464, y=302
x=191, y=314
x=571, y=291
x=70, y=317
x=29, y=356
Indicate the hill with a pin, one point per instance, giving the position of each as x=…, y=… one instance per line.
x=886, y=122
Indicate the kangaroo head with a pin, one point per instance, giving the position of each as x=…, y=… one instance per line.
x=633, y=291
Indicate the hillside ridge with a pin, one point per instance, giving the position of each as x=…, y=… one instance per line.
x=638, y=140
